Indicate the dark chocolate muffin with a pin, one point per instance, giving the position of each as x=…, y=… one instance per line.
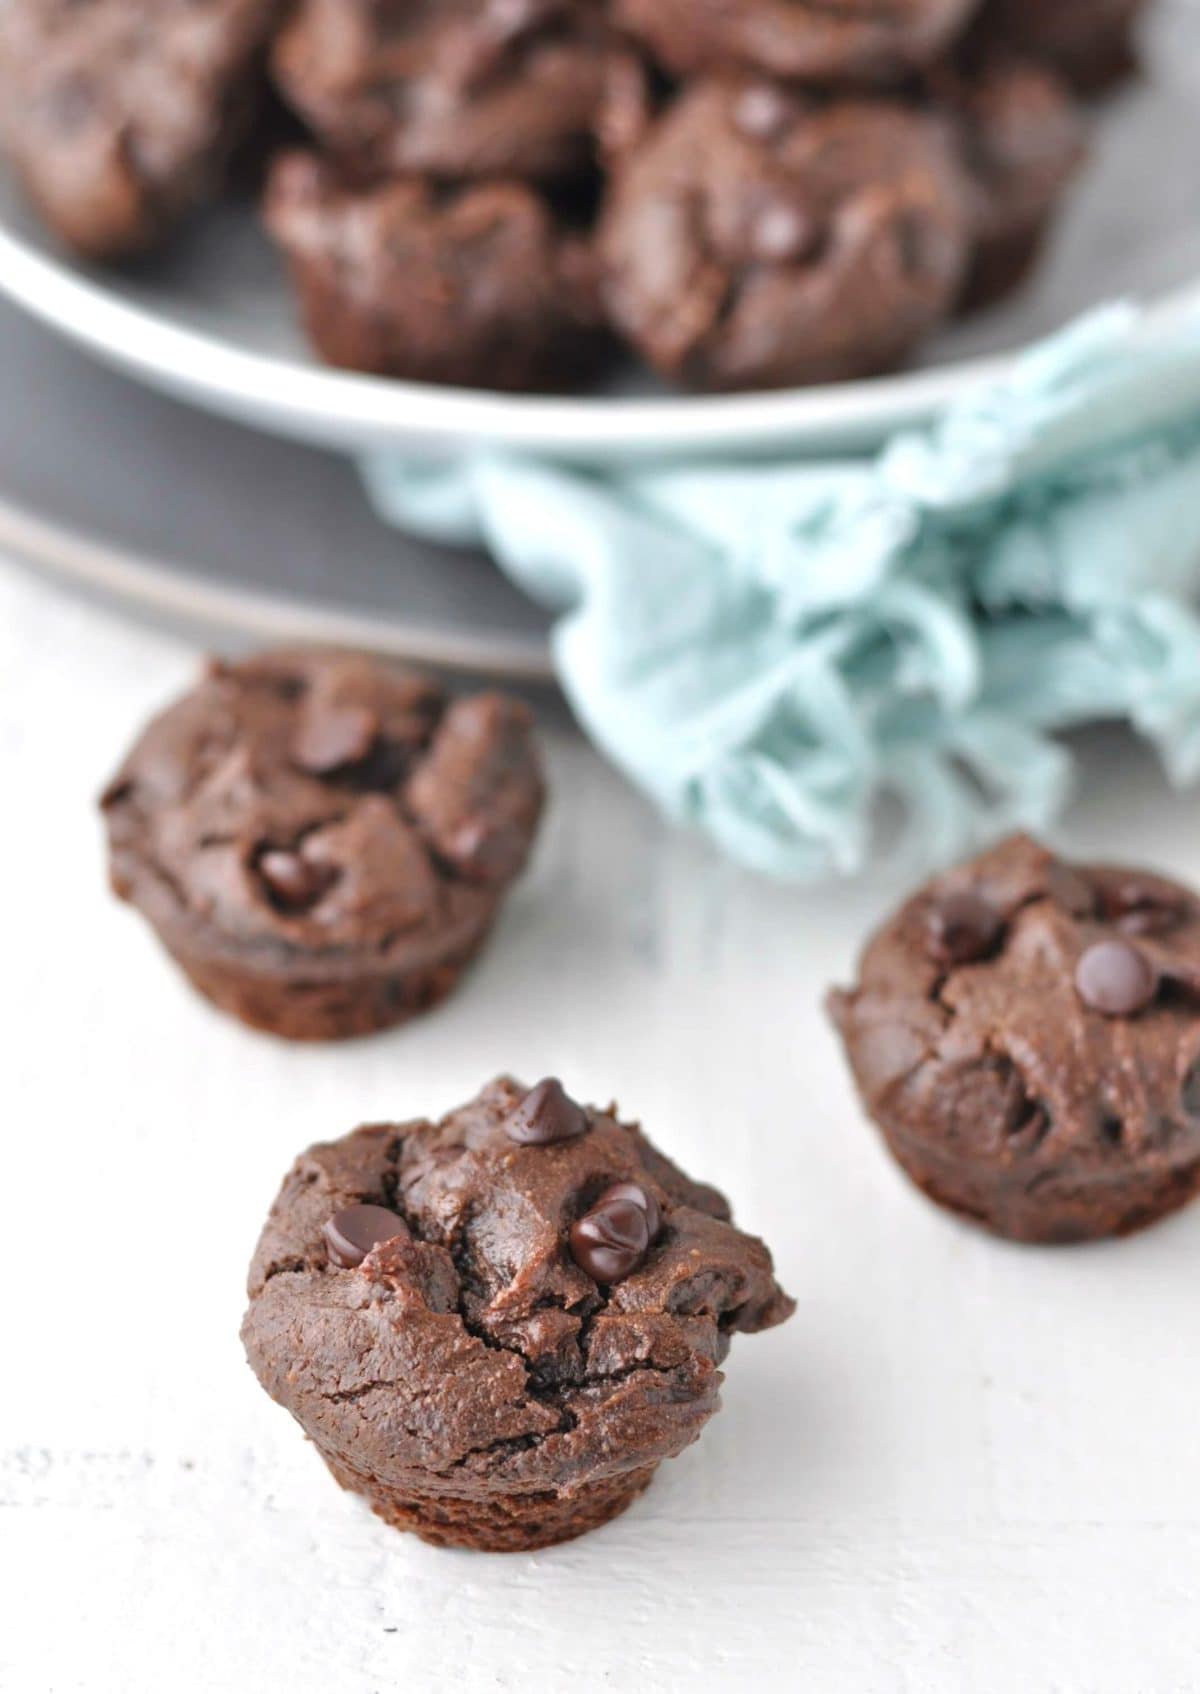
x=758, y=239
x=462, y=89
x=478, y=286
x=840, y=42
x=322, y=840
x=1026, y=1034
x=120, y=117
x=495, y=1327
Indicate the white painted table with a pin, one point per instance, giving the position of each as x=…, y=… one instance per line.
x=962, y=1467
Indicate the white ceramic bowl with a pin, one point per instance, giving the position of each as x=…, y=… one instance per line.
x=213, y=323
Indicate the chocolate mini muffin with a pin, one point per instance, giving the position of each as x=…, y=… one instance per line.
x=322, y=840
x=120, y=117
x=462, y=89
x=843, y=42
x=757, y=239
x=495, y=1327
x=1090, y=42
x=481, y=286
x=1026, y=1034
x=1023, y=141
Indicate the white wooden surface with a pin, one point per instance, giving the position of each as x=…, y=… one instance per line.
x=962, y=1467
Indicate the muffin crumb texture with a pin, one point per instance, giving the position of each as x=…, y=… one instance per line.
x=542, y=1326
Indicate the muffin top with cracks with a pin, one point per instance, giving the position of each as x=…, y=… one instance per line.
x=1035, y=1018
x=473, y=1345
x=318, y=803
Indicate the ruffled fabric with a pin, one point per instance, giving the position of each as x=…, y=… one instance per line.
x=783, y=655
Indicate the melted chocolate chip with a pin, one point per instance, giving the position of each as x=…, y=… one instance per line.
x=963, y=928
x=294, y=883
x=610, y=1241
x=763, y=112
x=546, y=1115
x=332, y=738
x=351, y=1234
x=1116, y=979
x=782, y=231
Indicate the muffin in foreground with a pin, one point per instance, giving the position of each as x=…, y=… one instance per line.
x=495, y=1327
x=321, y=839
x=1026, y=1035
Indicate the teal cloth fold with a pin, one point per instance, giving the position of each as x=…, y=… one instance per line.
x=780, y=654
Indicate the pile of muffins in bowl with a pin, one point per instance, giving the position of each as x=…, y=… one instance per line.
x=744, y=194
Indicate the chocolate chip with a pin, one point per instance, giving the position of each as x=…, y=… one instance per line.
x=640, y=1197
x=762, y=112
x=351, y=1234
x=508, y=19
x=611, y=1240
x=963, y=928
x=1116, y=978
x=333, y=737
x=547, y=1114
x=294, y=883
x=782, y=231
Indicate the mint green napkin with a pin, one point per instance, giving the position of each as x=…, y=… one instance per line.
x=774, y=652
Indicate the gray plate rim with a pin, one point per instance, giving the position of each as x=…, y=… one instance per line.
x=173, y=593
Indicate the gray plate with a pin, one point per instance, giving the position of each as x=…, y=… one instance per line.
x=225, y=531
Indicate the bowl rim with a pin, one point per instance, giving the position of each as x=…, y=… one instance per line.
x=351, y=410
